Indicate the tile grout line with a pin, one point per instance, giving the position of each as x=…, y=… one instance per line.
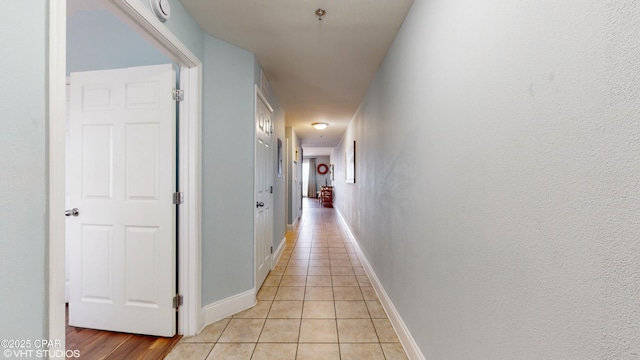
x=302, y=248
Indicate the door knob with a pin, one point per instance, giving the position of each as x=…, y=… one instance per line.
x=72, y=212
x=259, y=204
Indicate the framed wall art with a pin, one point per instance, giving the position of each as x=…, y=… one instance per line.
x=350, y=163
x=279, y=158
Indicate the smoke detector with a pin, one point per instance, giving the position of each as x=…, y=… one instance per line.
x=161, y=8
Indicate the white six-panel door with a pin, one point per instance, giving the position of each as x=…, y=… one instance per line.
x=263, y=183
x=122, y=171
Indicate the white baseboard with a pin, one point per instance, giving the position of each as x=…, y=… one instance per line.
x=227, y=307
x=407, y=341
x=291, y=227
x=275, y=257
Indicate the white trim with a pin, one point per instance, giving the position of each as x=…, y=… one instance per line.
x=291, y=227
x=264, y=99
x=56, y=117
x=189, y=215
x=145, y=23
x=227, y=307
x=264, y=84
x=67, y=285
x=275, y=257
x=406, y=339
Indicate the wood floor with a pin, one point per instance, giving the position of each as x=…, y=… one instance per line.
x=107, y=345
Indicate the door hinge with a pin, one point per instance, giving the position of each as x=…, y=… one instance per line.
x=178, y=94
x=177, y=301
x=272, y=249
x=178, y=198
x=271, y=189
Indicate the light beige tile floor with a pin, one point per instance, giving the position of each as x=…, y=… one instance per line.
x=317, y=303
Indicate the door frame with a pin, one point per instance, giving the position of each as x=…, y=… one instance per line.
x=142, y=21
x=259, y=96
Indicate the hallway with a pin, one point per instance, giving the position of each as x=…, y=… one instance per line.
x=317, y=303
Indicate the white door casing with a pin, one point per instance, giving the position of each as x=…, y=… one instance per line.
x=67, y=191
x=145, y=23
x=263, y=185
x=122, y=178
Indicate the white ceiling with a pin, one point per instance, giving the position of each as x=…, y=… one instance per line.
x=317, y=151
x=319, y=70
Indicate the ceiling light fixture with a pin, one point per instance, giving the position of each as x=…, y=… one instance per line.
x=320, y=13
x=320, y=125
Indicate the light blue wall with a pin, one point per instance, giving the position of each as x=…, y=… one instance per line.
x=229, y=75
x=23, y=217
x=184, y=27
x=227, y=184
x=279, y=184
x=294, y=177
x=497, y=174
x=326, y=178
x=23, y=139
x=99, y=40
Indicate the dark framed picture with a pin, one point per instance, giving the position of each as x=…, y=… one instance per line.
x=279, y=158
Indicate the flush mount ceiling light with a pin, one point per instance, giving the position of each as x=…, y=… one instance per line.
x=320, y=13
x=320, y=125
